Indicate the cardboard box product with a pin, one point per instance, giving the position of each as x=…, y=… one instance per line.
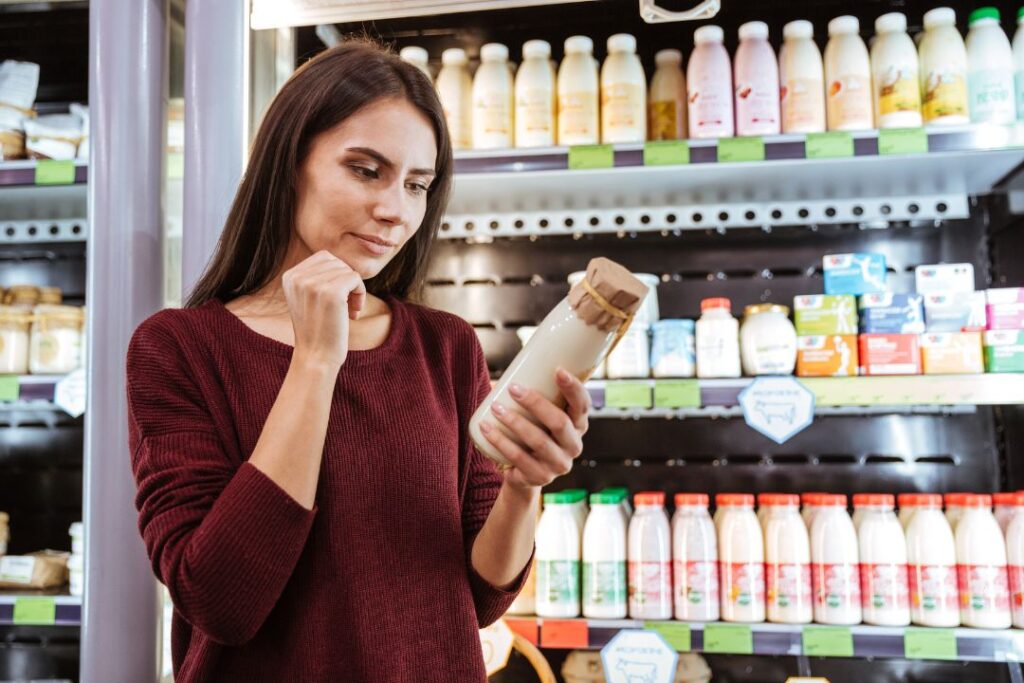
x=888, y=313
x=890, y=354
x=1004, y=351
x=946, y=277
x=817, y=314
x=1005, y=308
x=954, y=312
x=854, y=273
x=827, y=356
x=951, y=353
x=43, y=569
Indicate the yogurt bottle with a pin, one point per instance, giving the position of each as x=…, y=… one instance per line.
x=802, y=80
x=757, y=83
x=418, y=57
x=1018, y=62
x=908, y=504
x=604, y=559
x=1015, y=562
x=578, y=94
x=650, y=558
x=811, y=504
x=741, y=559
x=621, y=494
x=762, y=512
x=1006, y=506
x=847, y=76
x=931, y=560
x=718, y=347
x=866, y=502
x=767, y=340
x=943, y=60
x=558, y=559
x=666, y=101
x=787, y=561
x=580, y=511
x=896, y=79
x=623, y=93
x=695, y=559
x=990, y=65
x=885, y=588
x=535, y=95
x=455, y=90
x=954, y=508
x=834, y=564
x=493, y=96
x=981, y=566
x=709, y=86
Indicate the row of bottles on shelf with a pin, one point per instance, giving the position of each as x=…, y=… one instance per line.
x=38, y=334
x=782, y=564
x=897, y=84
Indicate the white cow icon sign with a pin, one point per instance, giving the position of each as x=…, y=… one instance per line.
x=778, y=407
x=635, y=656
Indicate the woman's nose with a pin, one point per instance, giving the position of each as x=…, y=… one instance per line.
x=389, y=204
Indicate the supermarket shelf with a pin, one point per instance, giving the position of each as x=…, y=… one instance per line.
x=44, y=230
x=67, y=609
x=20, y=173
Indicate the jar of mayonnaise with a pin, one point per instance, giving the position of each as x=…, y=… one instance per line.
x=767, y=340
x=56, y=340
x=14, y=327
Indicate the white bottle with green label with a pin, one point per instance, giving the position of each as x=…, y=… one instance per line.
x=558, y=558
x=990, y=69
x=604, y=559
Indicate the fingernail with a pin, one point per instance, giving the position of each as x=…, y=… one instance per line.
x=485, y=427
x=499, y=409
x=516, y=390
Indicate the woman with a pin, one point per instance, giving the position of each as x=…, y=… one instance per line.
x=307, y=490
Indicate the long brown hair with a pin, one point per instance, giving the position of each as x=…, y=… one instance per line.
x=321, y=94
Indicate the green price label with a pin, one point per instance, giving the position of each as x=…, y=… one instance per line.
x=734, y=639
x=832, y=145
x=676, y=634
x=741, y=149
x=10, y=388
x=929, y=643
x=50, y=172
x=902, y=141
x=627, y=394
x=666, y=153
x=828, y=641
x=583, y=157
x=39, y=611
x=677, y=393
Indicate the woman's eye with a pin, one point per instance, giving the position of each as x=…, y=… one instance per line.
x=417, y=188
x=364, y=172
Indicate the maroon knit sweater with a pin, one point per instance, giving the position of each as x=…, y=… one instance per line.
x=375, y=583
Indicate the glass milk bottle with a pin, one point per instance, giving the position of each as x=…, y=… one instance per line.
x=931, y=562
x=943, y=58
x=666, y=101
x=455, y=90
x=847, y=77
x=802, y=80
x=885, y=592
x=896, y=85
x=1015, y=562
x=981, y=566
x=535, y=97
x=1018, y=62
x=578, y=94
x=604, y=559
x=558, y=559
x=576, y=336
x=718, y=343
x=787, y=561
x=623, y=93
x=418, y=57
x=990, y=69
x=695, y=559
x=650, y=558
x=741, y=559
x=757, y=82
x=709, y=85
x=493, y=96
x=835, y=564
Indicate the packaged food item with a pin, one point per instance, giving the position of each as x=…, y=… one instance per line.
x=14, y=344
x=931, y=559
x=535, y=97
x=718, y=347
x=666, y=101
x=944, y=278
x=1018, y=63
x=990, y=78
x=493, y=99
x=25, y=297
x=802, y=78
x=1005, y=308
x=848, y=76
x=954, y=508
x=1004, y=351
x=827, y=356
x=631, y=357
x=895, y=73
x=767, y=340
x=817, y=314
x=757, y=82
x=1005, y=506
x=890, y=354
x=810, y=505
x=39, y=570
x=648, y=313
x=418, y=57
x=51, y=295
x=55, y=136
x=787, y=562
x=82, y=112
x=981, y=566
x=888, y=313
x=741, y=554
x=19, y=82
x=882, y=545
x=1015, y=562
x=954, y=311
x=455, y=90
x=673, y=349
x=695, y=557
x=558, y=559
x=604, y=559
x=951, y=353
x=56, y=340
x=854, y=273
x=835, y=571
x=578, y=94
x=709, y=85
x=650, y=558
x=908, y=504
x=943, y=70
x=623, y=93
x=578, y=501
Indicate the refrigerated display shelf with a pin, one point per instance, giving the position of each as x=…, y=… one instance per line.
x=28, y=609
x=43, y=173
x=44, y=230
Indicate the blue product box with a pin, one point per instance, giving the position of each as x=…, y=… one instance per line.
x=854, y=273
x=955, y=311
x=888, y=313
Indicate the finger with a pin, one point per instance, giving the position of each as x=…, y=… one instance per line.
x=352, y=284
x=553, y=418
x=577, y=399
x=520, y=459
x=542, y=444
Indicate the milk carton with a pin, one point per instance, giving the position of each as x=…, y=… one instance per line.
x=946, y=277
x=1004, y=351
x=1005, y=308
x=827, y=356
x=890, y=354
x=951, y=353
x=854, y=273
x=817, y=314
x=888, y=313
x=954, y=311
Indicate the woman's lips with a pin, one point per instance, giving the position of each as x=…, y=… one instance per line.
x=374, y=245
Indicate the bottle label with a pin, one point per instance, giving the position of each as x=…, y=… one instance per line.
x=945, y=94
x=789, y=584
x=459, y=129
x=623, y=110
x=742, y=583
x=665, y=121
x=535, y=115
x=884, y=586
x=836, y=586
x=899, y=90
x=710, y=103
x=933, y=588
x=577, y=118
x=604, y=583
x=696, y=582
x=991, y=96
x=650, y=583
x=803, y=105
x=492, y=119
x=757, y=107
x=983, y=587
x=849, y=103
x=1016, y=580
x=558, y=581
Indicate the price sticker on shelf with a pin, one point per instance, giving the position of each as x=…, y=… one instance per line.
x=740, y=149
x=676, y=393
x=35, y=611
x=675, y=633
x=730, y=639
x=827, y=641
x=902, y=141
x=52, y=172
x=929, y=643
x=834, y=145
x=587, y=157
x=564, y=634
x=625, y=394
x=666, y=153
x=10, y=388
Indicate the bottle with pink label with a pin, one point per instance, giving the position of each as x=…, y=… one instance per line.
x=1015, y=562
x=787, y=561
x=931, y=560
x=802, y=80
x=885, y=589
x=981, y=566
x=757, y=83
x=695, y=559
x=650, y=558
x=709, y=85
x=835, y=564
x=847, y=77
x=741, y=559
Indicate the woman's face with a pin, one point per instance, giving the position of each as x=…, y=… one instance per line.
x=362, y=189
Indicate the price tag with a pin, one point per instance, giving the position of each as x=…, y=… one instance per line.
x=51, y=172
x=69, y=394
x=584, y=157
x=902, y=141
x=620, y=394
x=832, y=145
x=36, y=611
x=10, y=388
x=564, y=634
x=676, y=634
x=741, y=149
x=929, y=643
x=828, y=641
x=676, y=393
x=733, y=639
x=666, y=153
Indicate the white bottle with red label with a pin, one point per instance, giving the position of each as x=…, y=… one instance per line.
x=741, y=559
x=810, y=505
x=650, y=558
x=1015, y=561
x=884, y=586
x=695, y=559
x=981, y=566
x=835, y=564
x=787, y=561
x=908, y=504
x=757, y=82
x=1005, y=507
x=931, y=560
x=954, y=508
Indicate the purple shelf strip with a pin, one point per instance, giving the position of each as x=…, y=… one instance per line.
x=10, y=177
x=65, y=615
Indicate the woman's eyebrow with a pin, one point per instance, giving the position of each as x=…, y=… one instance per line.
x=384, y=161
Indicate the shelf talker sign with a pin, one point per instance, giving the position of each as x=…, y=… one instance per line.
x=496, y=641
x=635, y=656
x=778, y=407
x=69, y=394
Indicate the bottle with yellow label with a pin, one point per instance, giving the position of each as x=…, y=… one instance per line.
x=535, y=96
x=455, y=90
x=896, y=85
x=666, y=102
x=578, y=93
x=623, y=92
x=943, y=59
x=493, y=99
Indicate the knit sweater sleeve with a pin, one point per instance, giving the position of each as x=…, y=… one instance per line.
x=221, y=535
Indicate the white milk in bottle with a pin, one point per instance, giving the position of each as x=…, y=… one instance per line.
x=1005, y=507
x=493, y=96
x=802, y=80
x=763, y=510
x=623, y=93
x=695, y=559
x=810, y=504
x=455, y=90
x=931, y=560
x=1015, y=562
x=650, y=558
x=895, y=73
x=981, y=566
x=885, y=588
x=535, y=97
x=787, y=562
x=834, y=564
x=847, y=77
x=908, y=504
x=757, y=82
x=1018, y=62
x=418, y=57
x=709, y=85
x=943, y=58
x=604, y=559
x=578, y=94
x=558, y=559
x=954, y=508
x=718, y=340
x=741, y=560
x=990, y=69
x=666, y=101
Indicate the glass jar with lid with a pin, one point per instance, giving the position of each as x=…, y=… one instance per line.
x=56, y=339
x=767, y=340
x=14, y=328
x=22, y=296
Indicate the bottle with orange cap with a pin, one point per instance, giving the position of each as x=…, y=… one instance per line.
x=741, y=559
x=908, y=504
x=718, y=341
x=695, y=559
x=954, y=508
x=787, y=561
x=835, y=564
x=1015, y=561
x=981, y=566
x=811, y=503
x=650, y=558
x=882, y=545
x=931, y=560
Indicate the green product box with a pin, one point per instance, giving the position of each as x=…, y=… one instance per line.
x=822, y=314
x=1004, y=351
